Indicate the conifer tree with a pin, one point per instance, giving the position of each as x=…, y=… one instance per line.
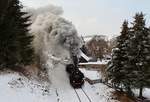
x=116, y=72
x=15, y=41
x=3, y=5
x=139, y=54
x=8, y=43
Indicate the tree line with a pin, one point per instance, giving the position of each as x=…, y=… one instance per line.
x=129, y=67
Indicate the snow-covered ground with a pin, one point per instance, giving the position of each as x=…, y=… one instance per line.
x=91, y=74
x=17, y=88
x=146, y=93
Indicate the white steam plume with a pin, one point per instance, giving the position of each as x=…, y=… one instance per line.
x=54, y=36
x=55, y=40
x=56, y=10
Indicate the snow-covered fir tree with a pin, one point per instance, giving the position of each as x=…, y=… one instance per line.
x=130, y=64
x=139, y=54
x=15, y=41
x=115, y=68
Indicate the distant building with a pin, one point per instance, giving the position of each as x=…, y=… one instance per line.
x=83, y=57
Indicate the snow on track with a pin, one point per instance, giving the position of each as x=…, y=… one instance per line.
x=67, y=95
x=92, y=94
x=86, y=95
x=82, y=96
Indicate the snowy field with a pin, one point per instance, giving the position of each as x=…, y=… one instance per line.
x=16, y=88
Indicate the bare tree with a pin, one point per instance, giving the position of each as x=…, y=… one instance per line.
x=98, y=46
x=111, y=44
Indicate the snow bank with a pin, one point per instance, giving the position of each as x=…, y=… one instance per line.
x=96, y=63
x=16, y=88
x=101, y=90
x=146, y=92
x=92, y=75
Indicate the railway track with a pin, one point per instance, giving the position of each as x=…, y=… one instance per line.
x=82, y=95
x=86, y=95
x=77, y=95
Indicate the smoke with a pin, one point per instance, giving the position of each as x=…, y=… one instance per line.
x=56, y=10
x=54, y=36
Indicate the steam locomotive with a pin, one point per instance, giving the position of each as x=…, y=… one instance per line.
x=75, y=75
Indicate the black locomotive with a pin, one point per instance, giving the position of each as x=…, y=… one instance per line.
x=75, y=75
x=76, y=79
x=70, y=68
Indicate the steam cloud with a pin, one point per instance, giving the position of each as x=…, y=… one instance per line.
x=53, y=34
x=47, y=9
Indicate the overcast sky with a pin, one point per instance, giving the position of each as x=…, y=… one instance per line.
x=97, y=16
